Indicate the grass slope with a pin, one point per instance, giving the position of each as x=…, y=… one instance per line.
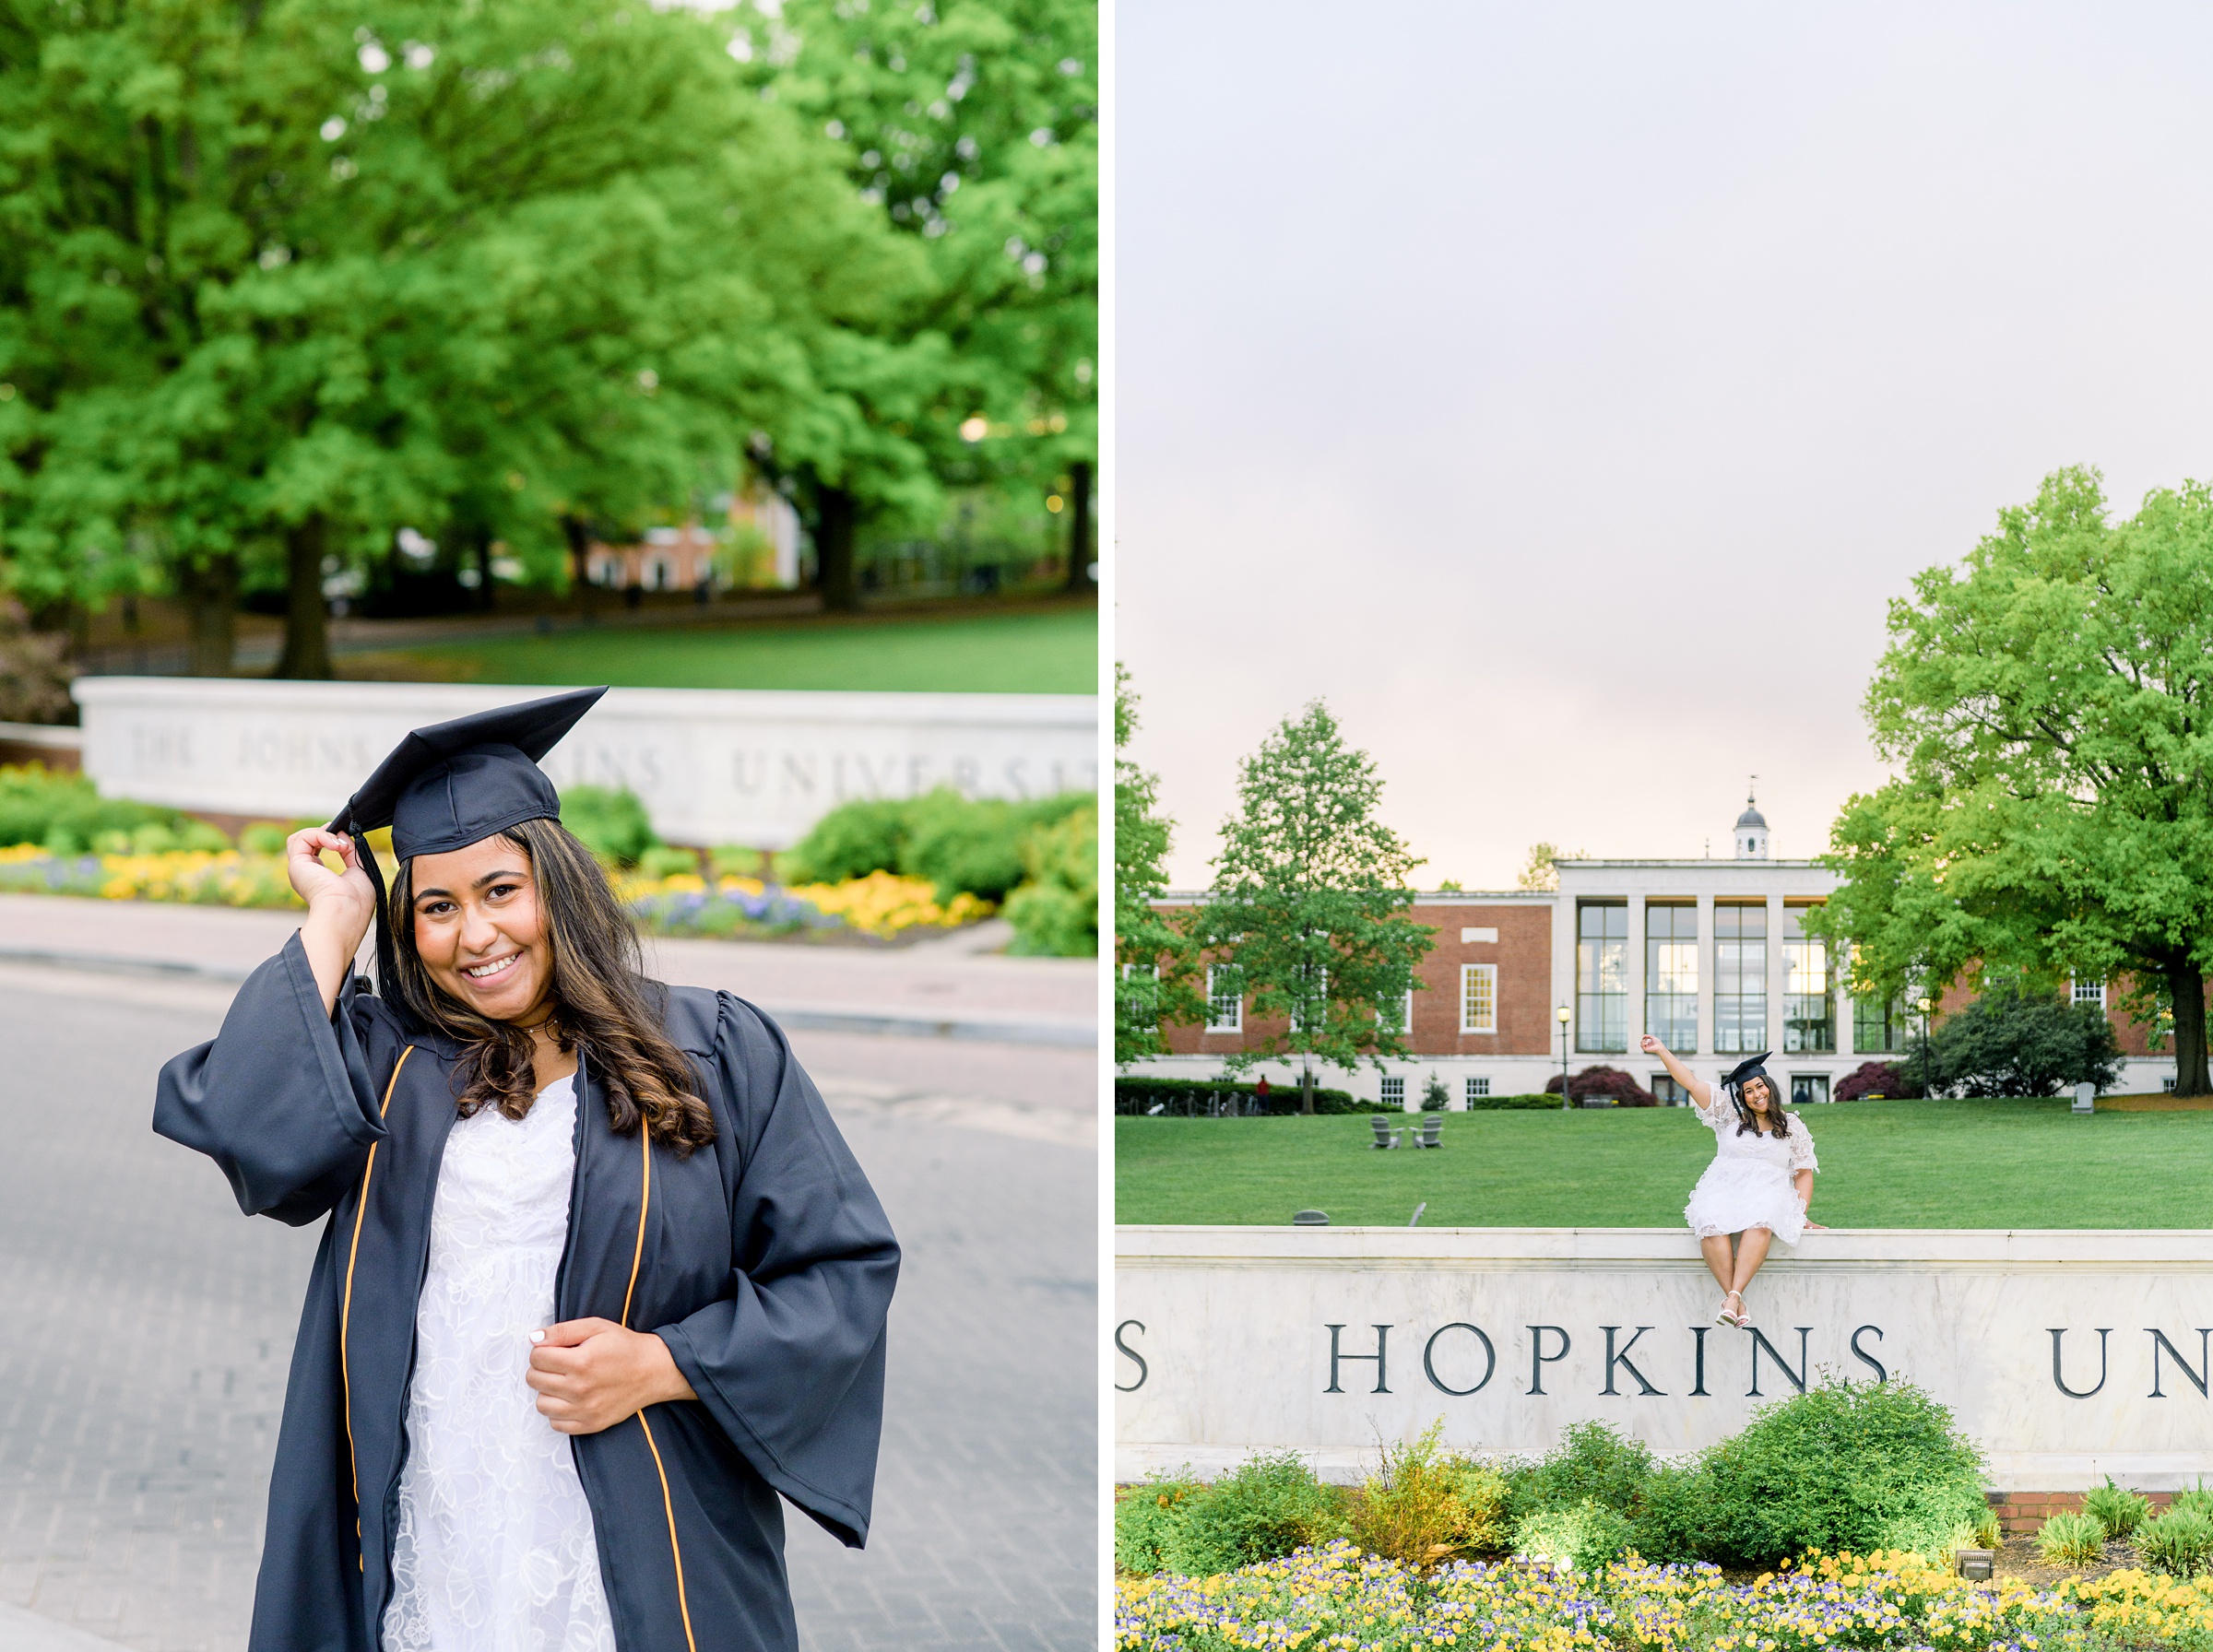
x=1049, y=650
x=1906, y=1164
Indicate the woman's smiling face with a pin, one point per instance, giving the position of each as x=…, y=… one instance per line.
x=478, y=928
x=1756, y=1094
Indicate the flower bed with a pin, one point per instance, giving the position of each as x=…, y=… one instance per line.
x=880, y=905
x=1336, y=1597
x=193, y=876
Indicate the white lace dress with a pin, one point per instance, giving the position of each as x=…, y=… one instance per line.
x=1748, y=1184
x=494, y=1550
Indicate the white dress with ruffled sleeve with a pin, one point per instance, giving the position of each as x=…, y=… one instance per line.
x=1748, y=1184
x=494, y=1550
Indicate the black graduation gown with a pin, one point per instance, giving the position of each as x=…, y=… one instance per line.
x=763, y=1261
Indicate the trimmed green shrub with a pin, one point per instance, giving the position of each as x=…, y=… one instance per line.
x=2117, y=1512
x=1592, y=1464
x=959, y=843
x=1265, y=1507
x=735, y=860
x=63, y=812
x=2179, y=1541
x=1875, y=1080
x=1604, y=1083
x=854, y=839
x=1512, y=1103
x=206, y=839
x=263, y=837
x=610, y=822
x=2071, y=1541
x=1582, y=1538
x=976, y=844
x=665, y=860
x=1842, y=1467
x=1673, y=1514
x=962, y=844
x=1145, y=1517
x=1201, y=1097
x=1055, y=913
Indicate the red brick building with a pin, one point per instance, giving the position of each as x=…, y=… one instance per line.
x=1711, y=955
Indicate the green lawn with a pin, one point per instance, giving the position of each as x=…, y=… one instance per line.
x=1036, y=651
x=1937, y=1164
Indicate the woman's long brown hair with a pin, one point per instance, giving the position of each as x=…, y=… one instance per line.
x=603, y=1005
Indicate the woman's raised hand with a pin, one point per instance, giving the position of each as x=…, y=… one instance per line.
x=1651, y=1044
x=346, y=893
x=340, y=906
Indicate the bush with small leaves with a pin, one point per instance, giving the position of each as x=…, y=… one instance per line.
x=1583, y=1539
x=2071, y=1541
x=1267, y=1507
x=1145, y=1514
x=610, y=822
x=735, y=860
x=665, y=860
x=1055, y=911
x=2117, y=1512
x=1592, y=1463
x=1842, y=1467
x=264, y=837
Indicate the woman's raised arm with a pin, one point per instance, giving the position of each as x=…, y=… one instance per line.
x=1699, y=1091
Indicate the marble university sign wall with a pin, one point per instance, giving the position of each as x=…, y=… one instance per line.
x=712, y=766
x=2067, y=1356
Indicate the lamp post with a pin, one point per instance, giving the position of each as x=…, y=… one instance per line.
x=1564, y=1015
x=1927, y=1007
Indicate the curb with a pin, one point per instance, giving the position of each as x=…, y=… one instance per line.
x=802, y=1018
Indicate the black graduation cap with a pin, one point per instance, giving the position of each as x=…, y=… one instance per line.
x=1753, y=1068
x=456, y=783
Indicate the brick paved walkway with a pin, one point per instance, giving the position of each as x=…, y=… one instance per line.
x=148, y=1328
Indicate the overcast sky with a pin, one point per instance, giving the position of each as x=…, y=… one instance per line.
x=1561, y=392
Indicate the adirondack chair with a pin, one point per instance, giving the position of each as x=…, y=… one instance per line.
x=1433, y=1130
x=1385, y=1135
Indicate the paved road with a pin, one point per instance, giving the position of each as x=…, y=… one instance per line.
x=147, y=1326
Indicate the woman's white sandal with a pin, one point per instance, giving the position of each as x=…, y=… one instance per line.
x=1726, y=1317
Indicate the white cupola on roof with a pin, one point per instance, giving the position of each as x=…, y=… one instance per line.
x=1751, y=831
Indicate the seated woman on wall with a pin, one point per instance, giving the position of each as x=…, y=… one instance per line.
x=1761, y=1179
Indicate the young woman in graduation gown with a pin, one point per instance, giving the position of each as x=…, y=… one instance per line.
x=598, y=1278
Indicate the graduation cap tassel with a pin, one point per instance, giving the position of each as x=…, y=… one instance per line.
x=385, y=961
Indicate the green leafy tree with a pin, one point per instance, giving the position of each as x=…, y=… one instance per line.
x=2047, y=703
x=972, y=126
x=1308, y=913
x=1156, y=980
x=273, y=282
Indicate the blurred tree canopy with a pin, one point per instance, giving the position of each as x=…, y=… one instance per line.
x=278, y=278
x=972, y=126
x=2047, y=704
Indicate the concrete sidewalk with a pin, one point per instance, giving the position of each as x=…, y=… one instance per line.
x=931, y=989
